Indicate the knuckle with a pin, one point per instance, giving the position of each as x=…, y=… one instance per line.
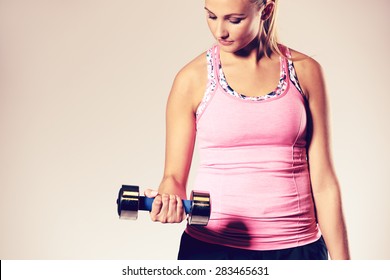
x=157, y=200
x=173, y=202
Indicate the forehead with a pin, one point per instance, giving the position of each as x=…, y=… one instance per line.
x=225, y=7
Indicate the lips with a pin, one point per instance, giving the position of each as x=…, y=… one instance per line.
x=225, y=42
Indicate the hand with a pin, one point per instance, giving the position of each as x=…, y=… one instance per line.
x=166, y=208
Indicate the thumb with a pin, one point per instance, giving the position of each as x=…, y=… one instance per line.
x=151, y=193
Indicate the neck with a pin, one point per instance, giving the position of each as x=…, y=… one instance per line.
x=255, y=49
x=250, y=50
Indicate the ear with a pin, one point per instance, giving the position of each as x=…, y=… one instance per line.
x=268, y=10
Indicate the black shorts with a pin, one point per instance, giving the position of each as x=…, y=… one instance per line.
x=194, y=249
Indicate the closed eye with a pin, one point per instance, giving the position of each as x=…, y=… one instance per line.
x=236, y=20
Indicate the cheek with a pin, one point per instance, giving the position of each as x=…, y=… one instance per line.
x=211, y=25
x=248, y=31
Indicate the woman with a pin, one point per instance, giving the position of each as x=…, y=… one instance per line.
x=263, y=143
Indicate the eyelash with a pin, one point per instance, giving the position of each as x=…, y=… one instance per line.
x=236, y=21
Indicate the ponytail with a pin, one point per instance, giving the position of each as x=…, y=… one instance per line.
x=268, y=37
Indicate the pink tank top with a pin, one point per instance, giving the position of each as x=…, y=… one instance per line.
x=253, y=162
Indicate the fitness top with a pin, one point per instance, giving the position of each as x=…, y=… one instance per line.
x=253, y=162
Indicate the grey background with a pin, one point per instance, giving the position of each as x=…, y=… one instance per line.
x=83, y=87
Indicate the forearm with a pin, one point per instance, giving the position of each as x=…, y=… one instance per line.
x=170, y=185
x=331, y=222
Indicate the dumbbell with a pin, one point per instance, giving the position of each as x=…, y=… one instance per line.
x=129, y=202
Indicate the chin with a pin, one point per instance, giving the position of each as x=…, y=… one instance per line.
x=235, y=47
x=229, y=49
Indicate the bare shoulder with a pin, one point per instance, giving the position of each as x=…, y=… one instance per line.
x=191, y=81
x=193, y=73
x=309, y=72
x=304, y=61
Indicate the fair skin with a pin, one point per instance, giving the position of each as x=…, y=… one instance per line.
x=235, y=25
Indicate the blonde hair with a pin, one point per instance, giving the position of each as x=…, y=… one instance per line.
x=268, y=38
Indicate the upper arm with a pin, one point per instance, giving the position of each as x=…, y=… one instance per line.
x=185, y=94
x=319, y=151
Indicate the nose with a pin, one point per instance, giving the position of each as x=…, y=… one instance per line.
x=221, y=32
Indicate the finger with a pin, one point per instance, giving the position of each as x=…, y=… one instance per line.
x=171, y=218
x=150, y=193
x=162, y=216
x=156, y=208
x=180, y=213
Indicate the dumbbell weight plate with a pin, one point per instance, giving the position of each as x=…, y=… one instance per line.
x=128, y=202
x=200, y=208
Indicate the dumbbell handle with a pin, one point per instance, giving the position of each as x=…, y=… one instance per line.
x=145, y=203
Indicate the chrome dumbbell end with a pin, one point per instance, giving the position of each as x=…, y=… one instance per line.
x=128, y=202
x=200, y=208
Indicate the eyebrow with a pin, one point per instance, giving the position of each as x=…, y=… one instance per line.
x=229, y=15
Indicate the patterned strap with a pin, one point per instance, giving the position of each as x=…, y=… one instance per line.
x=292, y=73
x=211, y=82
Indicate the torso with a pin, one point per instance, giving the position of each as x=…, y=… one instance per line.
x=252, y=155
